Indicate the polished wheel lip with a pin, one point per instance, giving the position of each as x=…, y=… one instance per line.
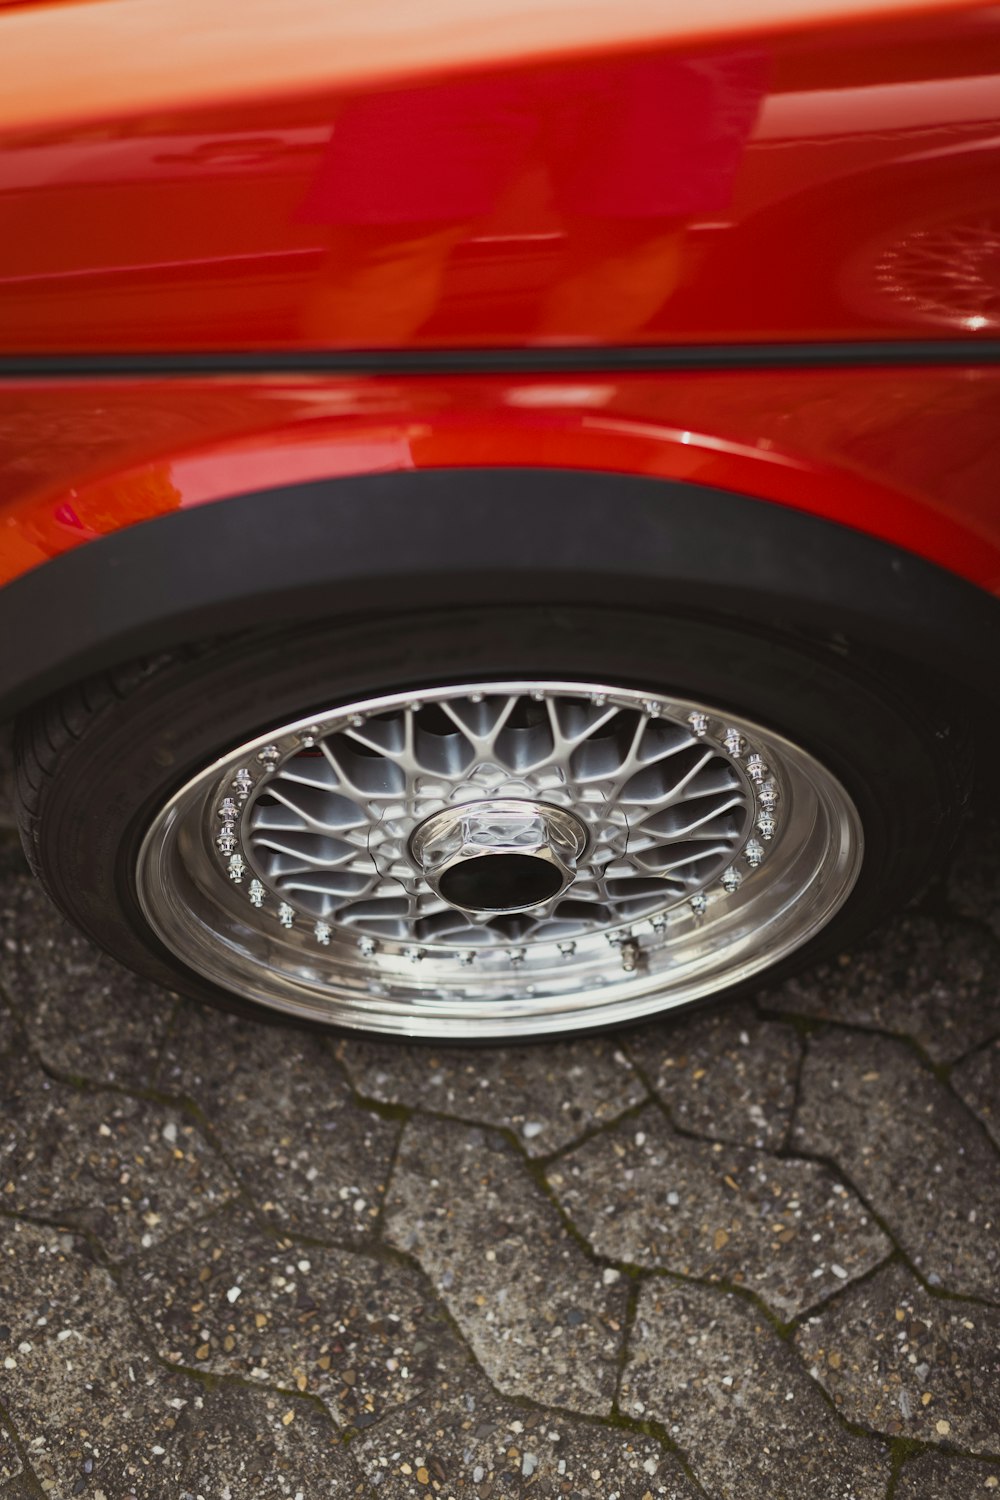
x=809, y=872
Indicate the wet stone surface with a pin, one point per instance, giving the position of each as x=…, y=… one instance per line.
x=479, y=1444
x=284, y=1117
x=548, y=1096
x=712, y=1370
x=542, y=1320
x=241, y=1261
x=787, y=1230
x=722, y=1073
x=936, y=982
x=896, y=1359
x=908, y=1145
x=362, y=1334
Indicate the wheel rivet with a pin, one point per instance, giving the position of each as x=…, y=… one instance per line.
x=756, y=769
x=753, y=854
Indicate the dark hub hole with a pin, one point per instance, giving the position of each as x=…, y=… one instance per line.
x=500, y=882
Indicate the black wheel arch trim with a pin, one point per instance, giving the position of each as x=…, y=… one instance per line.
x=486, y=537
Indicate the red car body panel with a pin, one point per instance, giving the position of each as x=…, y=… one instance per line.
x=909, y=456
x=752, y=191
x=773, y=182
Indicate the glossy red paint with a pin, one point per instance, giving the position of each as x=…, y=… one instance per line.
x=754, y=182
x=802, y=185
x=905, y=455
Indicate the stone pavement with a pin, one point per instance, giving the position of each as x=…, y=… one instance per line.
x=753, y=1251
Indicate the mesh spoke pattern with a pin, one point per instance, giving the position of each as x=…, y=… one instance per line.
x=704, y=847
x=665, y=810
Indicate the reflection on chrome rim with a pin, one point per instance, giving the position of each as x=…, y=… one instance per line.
x=498, y=859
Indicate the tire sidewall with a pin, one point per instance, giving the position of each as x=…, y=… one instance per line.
x=858, y=715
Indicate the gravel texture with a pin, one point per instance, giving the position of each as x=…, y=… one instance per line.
x=129, y=1170
x=977, y=1081
x=725, y=1256
x=548, y=1096
x=722, y=1072
x=712, y=1370
x=283, y=1115
x=787, y=1230
x=94, y=1409
x=362, y=1334
x=897, y=1360
x=83, y=1015
x=903, y=1139
x=936, y=982
x=239, y=1442
x=542, y=1320
x=932, y=1477
x=478, y=1443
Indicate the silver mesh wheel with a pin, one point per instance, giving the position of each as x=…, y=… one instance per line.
x=500, y=858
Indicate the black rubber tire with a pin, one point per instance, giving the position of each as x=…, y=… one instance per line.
x=96, y=763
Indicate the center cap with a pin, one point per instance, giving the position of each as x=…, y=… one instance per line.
x=501, y=855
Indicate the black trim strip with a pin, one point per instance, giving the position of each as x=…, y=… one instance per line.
x=416, y=538
x=555, y=360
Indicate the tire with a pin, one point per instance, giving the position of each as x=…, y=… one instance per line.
x=116, y=799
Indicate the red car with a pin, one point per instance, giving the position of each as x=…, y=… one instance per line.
x=499, y=506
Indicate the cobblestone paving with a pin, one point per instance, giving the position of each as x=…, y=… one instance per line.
x=750, y=1253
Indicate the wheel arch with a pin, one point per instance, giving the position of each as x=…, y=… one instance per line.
x=486, y=537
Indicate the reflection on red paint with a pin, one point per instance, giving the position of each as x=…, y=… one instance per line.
x=795, y=188
x=632, y=153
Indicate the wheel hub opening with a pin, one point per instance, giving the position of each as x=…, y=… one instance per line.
x=500, y=883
